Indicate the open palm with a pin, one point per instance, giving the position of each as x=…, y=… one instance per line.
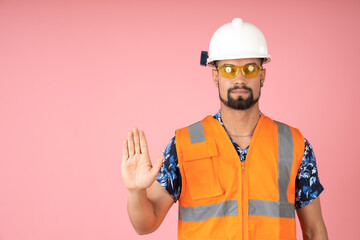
x=136, y=168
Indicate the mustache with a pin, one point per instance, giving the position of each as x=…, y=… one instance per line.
x=242, y=87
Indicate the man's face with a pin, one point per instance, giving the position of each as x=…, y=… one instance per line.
x=239, y=93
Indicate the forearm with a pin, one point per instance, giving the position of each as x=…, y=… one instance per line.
x=141, y=212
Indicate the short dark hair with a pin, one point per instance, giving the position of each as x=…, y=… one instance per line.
x=261, y=61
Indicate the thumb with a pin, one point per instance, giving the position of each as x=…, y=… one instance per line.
x=157, y=165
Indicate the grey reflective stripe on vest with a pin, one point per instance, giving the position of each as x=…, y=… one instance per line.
x=282, y=208
x=271, y=208
x=202, y=213
x=196, y=132
x=285, y=158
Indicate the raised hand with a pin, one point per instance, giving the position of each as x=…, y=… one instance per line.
x=136, y=168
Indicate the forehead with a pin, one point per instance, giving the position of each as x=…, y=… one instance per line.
x=238, y=62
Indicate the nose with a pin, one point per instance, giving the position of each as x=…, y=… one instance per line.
x=240, y=79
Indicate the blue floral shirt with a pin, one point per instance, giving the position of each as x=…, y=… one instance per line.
x=307, y=183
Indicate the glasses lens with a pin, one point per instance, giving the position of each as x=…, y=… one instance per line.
x=251, y=70
x=228, y=71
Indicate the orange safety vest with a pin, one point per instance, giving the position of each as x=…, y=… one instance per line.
x=224, y=198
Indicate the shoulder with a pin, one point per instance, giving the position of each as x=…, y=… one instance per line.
x=184, y=134
x=280, y=123
x=284, y=128
x=203, y=120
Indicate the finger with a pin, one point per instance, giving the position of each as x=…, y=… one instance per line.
x=125, y=153
x=157, y=165
x=143, y=143
x=136, y=141
x=130, y=144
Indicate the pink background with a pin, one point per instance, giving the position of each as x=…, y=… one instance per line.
x=75, y=76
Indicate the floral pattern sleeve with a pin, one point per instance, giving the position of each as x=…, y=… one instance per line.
x=169, y=175
x=308, y=186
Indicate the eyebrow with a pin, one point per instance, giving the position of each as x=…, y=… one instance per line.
x=241, y=65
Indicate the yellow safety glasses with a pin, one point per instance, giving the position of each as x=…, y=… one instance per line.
x=230, y=71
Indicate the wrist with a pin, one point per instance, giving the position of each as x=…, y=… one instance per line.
x=136, y=192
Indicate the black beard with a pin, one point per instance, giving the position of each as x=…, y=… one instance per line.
x=240, y=103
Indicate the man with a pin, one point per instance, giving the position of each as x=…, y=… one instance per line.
x=237, y=174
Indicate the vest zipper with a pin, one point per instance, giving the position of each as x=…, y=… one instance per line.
x=243, y=198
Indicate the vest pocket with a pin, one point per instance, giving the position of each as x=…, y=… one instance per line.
x=201, y=176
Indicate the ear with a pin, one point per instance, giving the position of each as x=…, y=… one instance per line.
x=215, y=76
x=262, y=77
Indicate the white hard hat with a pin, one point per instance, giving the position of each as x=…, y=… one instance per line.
x=237, y=40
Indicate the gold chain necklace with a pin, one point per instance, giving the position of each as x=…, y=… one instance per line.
x=249, y=135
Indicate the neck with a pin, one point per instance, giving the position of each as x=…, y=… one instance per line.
x=240, y=122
